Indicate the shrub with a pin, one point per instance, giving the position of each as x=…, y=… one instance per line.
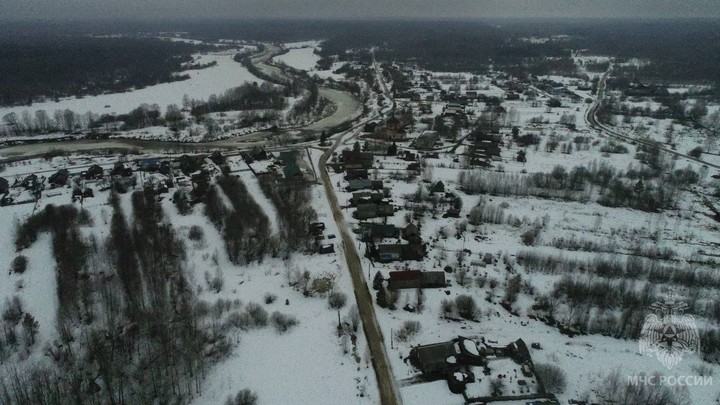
x=182, y=202
x=408, y=330
x=13, y=310
x=612, y=147
x=552, y=377
x=270, y=298
x=196, y=233
x=84, y=218
x=447, y=308
x=217, y=282
x=337, y=299
x=283, y=322
x=243, y=397
x=466, y=306
x=381, y=297
x=19, y=264
x=529, y=237
x=258, y=314
x=696, y=152
x=241, y=320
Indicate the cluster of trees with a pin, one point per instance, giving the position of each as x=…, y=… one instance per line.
x=246, y=61
x=69, y=121
x=612, y=297
x=120, y=336
x=19, y=329
x=248, y=96
x=615, y=389
x=34, y=67
x=673, y=106
x=246, y=228
x=310, y=105
x=645, y=190
x=295, y=212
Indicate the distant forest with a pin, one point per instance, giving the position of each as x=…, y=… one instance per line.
x=680, y=50
x=34, y=67
x=60, y=59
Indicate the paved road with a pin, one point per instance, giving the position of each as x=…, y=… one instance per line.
x=592, y=120
x=389, y=394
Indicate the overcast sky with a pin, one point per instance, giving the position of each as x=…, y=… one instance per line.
x=354, y=9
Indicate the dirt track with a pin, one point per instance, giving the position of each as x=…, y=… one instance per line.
x=389, y=394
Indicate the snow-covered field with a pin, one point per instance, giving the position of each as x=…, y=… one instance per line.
x=299, y=58
x=202, y=83
x=586, y=360
x=308, y=364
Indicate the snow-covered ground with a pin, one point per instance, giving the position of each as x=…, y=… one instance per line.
x=299, y=58
x=308, y=364
x=586, y=359
x=202, y=83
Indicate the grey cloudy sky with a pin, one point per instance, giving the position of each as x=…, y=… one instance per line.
x=350, y=9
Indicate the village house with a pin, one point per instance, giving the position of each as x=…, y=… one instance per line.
x=356, y=160
x=94, y=172
x=439, y=359
x=368, y=211
x=389, y=253
x=59, y=178
x=370, y=231
x=122, y=169
x=395, y=252
x=416, y=279
x=364, y=184
x=366, y=197
x=353, y=174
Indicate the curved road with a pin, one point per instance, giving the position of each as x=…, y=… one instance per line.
x=591, y=118
x=389, y=394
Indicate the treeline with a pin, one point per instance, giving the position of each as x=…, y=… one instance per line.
x=248, y=96
x=246, y=61
x=244, y=97
x=295, y=212
x=616, y=189
x=631, y=268
x=35, y=67
x=69, y=251
x=130, y=329
x=245, y=227
x=608, y=296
